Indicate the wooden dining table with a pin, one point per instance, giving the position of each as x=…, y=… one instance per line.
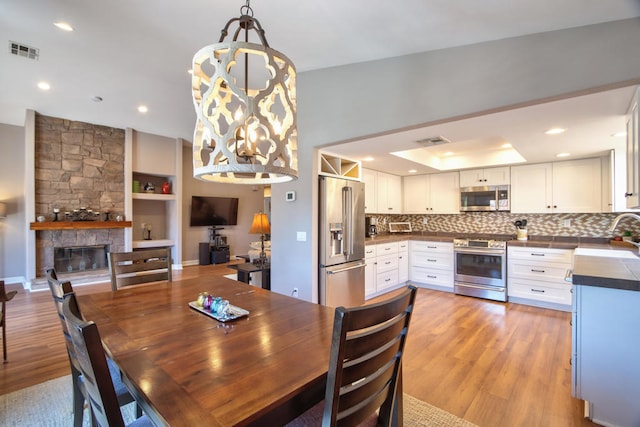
x=188, y=369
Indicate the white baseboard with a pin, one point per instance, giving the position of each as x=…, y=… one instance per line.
x=17, y=279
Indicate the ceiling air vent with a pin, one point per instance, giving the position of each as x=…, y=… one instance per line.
x=433, y=141
x=23, y=50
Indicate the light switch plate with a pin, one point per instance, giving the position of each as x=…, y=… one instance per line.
x=301, y=236
x=290, y=196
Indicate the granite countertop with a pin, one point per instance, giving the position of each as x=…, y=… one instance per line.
x=607, y=272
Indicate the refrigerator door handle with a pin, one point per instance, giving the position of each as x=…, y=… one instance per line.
x=340, y=270
x=347, y=219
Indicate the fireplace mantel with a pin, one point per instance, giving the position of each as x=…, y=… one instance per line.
x=78, y=225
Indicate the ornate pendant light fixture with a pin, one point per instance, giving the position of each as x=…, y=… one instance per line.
x=246, y=122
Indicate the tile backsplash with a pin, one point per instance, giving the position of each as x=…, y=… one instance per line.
x=580, y=224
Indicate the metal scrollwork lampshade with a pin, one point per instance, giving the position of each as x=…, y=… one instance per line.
x=245, y=100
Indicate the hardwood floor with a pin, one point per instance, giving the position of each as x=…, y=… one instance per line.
x=493, y=364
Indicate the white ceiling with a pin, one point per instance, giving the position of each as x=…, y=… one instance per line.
x=132, y=52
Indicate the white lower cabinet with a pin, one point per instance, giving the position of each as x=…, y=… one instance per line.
x=386, y=265
x=403, y=261
x=536, y=276
x=431, y=264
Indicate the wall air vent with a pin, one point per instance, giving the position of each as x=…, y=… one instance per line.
x=23, y=50
x=433, y=141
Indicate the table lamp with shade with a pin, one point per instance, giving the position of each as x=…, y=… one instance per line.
x=260, y=225
x=3, y=210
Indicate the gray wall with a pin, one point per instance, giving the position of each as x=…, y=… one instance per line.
x=13, y=229
x=238, y=237
x=349, y=102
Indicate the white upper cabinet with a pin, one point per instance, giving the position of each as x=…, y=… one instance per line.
x=561, y=187
x=432, y=194
x=370, y=199
x=633, y=155
x=483, y=177
x=388, y=193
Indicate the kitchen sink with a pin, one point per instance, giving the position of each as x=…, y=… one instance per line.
x=609, y=253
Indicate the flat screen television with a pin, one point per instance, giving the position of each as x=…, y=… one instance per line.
x=208, y=211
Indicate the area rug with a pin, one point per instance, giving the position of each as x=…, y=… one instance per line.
x=49, y=404
x=416, y=414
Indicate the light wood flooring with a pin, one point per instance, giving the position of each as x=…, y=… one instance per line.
x=493, y=364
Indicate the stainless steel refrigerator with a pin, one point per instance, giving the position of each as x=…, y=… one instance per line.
x=341, y=251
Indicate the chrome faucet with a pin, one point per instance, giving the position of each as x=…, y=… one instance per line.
x=619, y=217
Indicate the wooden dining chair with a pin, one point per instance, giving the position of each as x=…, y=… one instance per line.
x=58, y=290
x=92, y=360
x=364, y=364
x=4, y=297
x=144, y=266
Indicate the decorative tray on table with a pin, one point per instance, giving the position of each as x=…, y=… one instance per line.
x=233, y=312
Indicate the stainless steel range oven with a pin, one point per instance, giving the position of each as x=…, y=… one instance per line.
x=480, y=268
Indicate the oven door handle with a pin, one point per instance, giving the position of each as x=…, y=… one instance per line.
x=479, y=252
x=486, y=288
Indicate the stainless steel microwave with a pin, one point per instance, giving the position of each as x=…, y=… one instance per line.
x=488, y=198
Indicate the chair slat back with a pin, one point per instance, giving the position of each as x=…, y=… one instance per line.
x=144, y=266
x=58, y=290
x=366, y=354
x=93, y=365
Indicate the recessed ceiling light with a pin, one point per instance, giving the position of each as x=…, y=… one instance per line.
x=412, y=171
x=555, y=131
x=507, y=145
x=142, y=109
x=563, y=154
x=44, y=86
x=368, y=159
x=448, y=153
x=63, y=26
x=619, y=134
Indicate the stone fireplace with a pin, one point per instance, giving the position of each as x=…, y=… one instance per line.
x=77, y=165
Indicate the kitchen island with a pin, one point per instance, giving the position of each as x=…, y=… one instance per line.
x=605, y=346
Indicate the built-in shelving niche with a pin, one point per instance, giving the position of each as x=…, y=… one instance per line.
x=331, y=165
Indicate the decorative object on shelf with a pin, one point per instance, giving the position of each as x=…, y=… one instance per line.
x=166, y=187
x=56, y=212
x=149, y=187
x=40, y=218
x=3, y=210
x=244, y=134
x=136, y=186
x=82, y=214
x=146, y=231
x=107, y=212
x=261, y=226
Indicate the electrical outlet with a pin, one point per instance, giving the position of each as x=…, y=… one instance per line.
x=295, y=293
x=425, y=220
x=566, y=223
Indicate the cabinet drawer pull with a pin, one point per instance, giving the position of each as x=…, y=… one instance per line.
x=387, y=263
x=537, y=271
x=432, y=247
x=387, y=280
x=432, y=260
x=431, y=277
x=536, y=254
x=387, y=249
x=541, y=291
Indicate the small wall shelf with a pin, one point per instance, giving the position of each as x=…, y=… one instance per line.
x=157, y=243
x=153, y=196
x=78, y=225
